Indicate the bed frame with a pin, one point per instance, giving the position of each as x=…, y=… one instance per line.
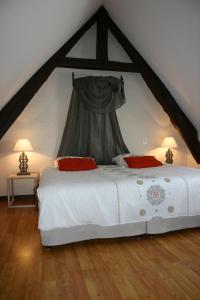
x=156, y=225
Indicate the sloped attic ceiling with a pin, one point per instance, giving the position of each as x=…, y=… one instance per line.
x=25, y=62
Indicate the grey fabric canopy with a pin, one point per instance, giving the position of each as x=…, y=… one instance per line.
x=92, y=127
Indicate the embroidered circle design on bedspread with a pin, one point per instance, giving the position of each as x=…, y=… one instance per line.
x=140, y=182
x=170, y=209
x=142, y=212
x=167, y=179
x=155, y=194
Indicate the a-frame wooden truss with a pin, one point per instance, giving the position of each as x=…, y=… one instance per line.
x=18, y=102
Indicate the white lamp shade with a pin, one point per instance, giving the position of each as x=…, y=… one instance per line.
x=169, y=142
x=23, y=145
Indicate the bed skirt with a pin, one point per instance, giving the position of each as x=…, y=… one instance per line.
x=159, y=225
x=156, y=225
x=87, y=232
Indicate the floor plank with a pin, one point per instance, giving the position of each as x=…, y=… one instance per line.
x=165, y=267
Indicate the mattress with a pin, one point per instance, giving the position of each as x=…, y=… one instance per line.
x=111, y=195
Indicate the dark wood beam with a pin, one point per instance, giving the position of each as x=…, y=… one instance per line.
x=161, y=93
x=93, y=64
x=18, y=102
x=102, y=35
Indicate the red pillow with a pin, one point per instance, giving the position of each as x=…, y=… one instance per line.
x=76, y=164
x=142, y=161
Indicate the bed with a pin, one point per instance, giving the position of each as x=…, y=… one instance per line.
x=113, y=201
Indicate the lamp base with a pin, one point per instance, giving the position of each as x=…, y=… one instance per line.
x=21, y=173
x=169, y=157
x=23, y=166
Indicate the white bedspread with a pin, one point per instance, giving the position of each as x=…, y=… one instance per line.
x=111, y=195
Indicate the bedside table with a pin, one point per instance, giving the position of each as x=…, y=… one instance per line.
x=10, y=188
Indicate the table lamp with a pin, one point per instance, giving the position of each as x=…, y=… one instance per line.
x=23, y=145
x=169, y=142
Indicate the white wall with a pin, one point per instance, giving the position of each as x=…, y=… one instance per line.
x=167, y=34
x=142, y=121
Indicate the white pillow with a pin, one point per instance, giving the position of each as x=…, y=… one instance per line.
x=55, y=164
x=120, y=161
x=61, y=157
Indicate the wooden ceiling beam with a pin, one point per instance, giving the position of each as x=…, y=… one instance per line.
x=102, y=35
x=93, y=64
x=161, y=93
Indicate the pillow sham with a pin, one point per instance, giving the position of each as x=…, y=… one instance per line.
x=55, y=162
x=76, y=164
x=142, y=161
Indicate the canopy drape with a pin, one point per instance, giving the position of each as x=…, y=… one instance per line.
x=92, y=128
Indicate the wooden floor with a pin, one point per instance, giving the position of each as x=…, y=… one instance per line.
x=165, y=267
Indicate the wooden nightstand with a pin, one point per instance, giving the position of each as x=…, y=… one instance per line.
x=10, y=188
